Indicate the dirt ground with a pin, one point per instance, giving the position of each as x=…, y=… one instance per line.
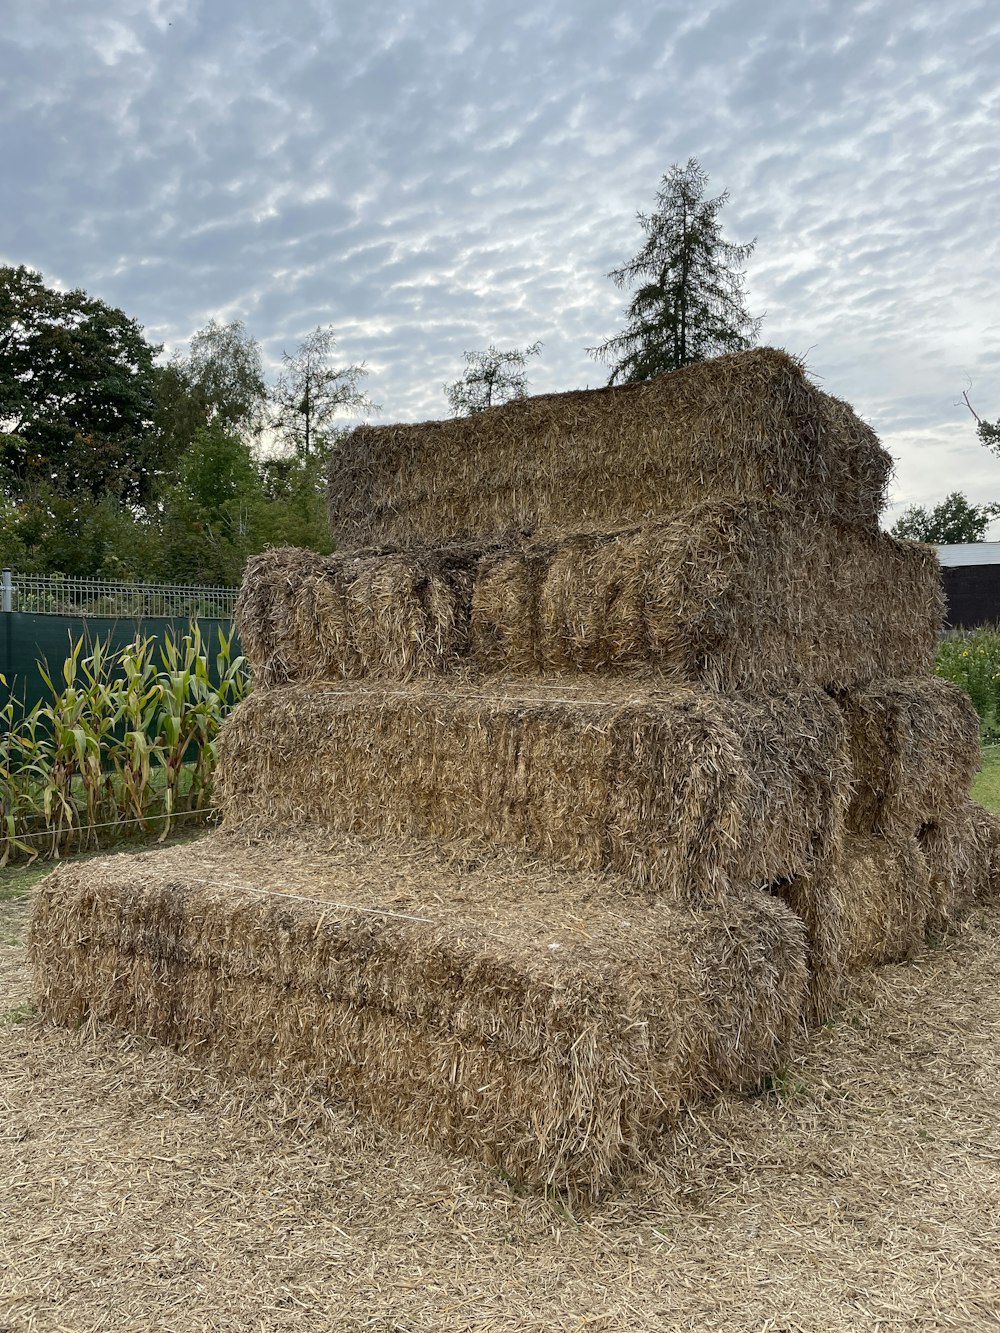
x=862, y=1191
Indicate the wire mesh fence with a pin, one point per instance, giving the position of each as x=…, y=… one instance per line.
x=44, y=594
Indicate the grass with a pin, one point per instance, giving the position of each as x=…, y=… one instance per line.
x=781, y=1085
x=17, y=882
x=986, y=786
x=19, y=1013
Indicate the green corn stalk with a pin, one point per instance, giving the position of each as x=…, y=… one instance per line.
x=16, y=804
x=95, y=752
x=69, y=747
x=135, y=692
x=95, y=739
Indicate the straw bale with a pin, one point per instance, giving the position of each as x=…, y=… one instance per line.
x=683, y=790
x=914, y=749
x=882, y=898
x=303, y=616
x=982, y=829
x=748, y=424
x=962, y=852
x=731, y=595
x=900, y=892
x=548, y=1023
x=818, y=900
x=887, y=900
x=734, y=596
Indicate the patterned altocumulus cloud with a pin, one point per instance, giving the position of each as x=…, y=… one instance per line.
x=431, y=177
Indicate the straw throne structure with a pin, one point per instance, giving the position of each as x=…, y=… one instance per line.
x=571, y=789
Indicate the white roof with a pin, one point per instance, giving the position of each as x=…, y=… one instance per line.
x=970, y=553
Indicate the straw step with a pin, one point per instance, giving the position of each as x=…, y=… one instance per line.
x=748, y=424
x=735, y=596
x=547, y=1023
x=685, y=792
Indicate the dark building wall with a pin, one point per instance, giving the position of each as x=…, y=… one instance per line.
x=973, y=593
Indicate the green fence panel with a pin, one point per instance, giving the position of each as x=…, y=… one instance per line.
x=27, y=639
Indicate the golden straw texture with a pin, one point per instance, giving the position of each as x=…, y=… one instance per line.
x=735, y=596
x=548, y=1023
x=962, y=851
x=914, y=752
x=684, y=791
x=749, y=424
x=650, y=636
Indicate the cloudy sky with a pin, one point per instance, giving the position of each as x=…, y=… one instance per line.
x=430, y=177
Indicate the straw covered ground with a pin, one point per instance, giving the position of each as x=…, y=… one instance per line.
x=683, y=791
x=734, y=595
x=749, y=424
x=549, y=1024
x=143, y=1190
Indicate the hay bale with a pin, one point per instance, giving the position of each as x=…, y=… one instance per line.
x=883, y=898
x=734, y=596
x=914, y=750
x=818, y=901
x=983, y=831
x=303, y=616
x=740, y=596
x=962, y=852
x=547, y=1023
x=887, y=900
x=748, y=424
x=685, y=791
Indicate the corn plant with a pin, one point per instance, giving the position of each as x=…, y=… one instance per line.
x=16, y=806
x=137, y=691
x=126, y=740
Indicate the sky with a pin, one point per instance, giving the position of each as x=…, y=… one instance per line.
x=430, y=178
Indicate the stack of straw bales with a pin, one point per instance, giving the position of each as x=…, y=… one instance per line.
x=573, y=790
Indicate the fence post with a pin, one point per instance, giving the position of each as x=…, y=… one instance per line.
x=7, y=589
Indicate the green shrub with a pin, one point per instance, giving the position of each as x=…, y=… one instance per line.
x=125, y=743
x=971, y=658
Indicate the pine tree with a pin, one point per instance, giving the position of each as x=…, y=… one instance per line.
x=689, y=303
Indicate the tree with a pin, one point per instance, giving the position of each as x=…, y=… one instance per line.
x=220, y=382
x=690, y=302
x=988, y=431
x=212, y=512
x=223, y=370
x=953, y=521
x=49, y=532
x=181, y=408
x=310, y=392
x=77, y=386
x=490, y=377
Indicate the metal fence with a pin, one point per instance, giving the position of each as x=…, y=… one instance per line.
x=55, y=595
